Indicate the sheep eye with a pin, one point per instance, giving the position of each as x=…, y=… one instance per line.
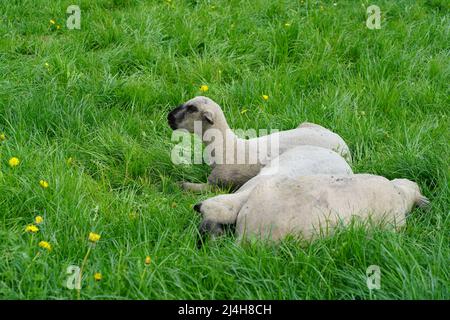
x=192, y=109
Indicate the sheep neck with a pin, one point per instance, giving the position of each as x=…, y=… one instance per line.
x=223, y=135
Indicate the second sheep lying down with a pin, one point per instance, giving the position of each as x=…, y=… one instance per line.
x=310, y=206
x=306, y=191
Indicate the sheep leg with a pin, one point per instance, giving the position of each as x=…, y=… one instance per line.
x=196, y=187
x=224, y=208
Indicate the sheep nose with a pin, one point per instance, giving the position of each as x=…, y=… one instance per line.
x=197, y=207
x=172, y=120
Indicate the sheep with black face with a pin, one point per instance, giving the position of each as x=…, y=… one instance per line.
x=228, y=168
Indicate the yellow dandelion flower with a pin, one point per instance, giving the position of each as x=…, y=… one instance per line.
x=2, y=137
x=38, y=219
x=204, y=88
x=148, y=260
x=265, y=97
x=52, y=21
x=98, y=276
x=14, y=162
x=31, y=228
x=45, y=245
x=43, y=184
x=58, y=27
x=94, y=237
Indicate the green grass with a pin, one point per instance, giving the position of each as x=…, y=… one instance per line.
x=103, y=100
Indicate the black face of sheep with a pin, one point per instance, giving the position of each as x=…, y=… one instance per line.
x=179, y=114
x=214, y=230
x=208, y=229
x=175, y=116
x=198, y=207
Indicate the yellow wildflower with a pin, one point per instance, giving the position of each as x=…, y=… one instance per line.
x=2, y=137
x=58, y=27
x=45, y=245
x=43, y=184
x=148, y=260
x=94, y=237
x=14, y=162
x=38, y=219
x=98, y=276
x=265, y=97
x=52, y=21
x=31, y=228
x=204, y=88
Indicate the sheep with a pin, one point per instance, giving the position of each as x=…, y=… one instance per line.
x=299, y=161
x=228, y=169
x=312, y=206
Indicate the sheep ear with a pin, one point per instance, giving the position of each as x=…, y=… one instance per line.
x=208, y=116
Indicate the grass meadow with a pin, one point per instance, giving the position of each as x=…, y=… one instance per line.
x=85, y=111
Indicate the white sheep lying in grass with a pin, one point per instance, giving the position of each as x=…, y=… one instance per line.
x=229, y=171
x=313, y=205
x=306, y=191
x=296, y=162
